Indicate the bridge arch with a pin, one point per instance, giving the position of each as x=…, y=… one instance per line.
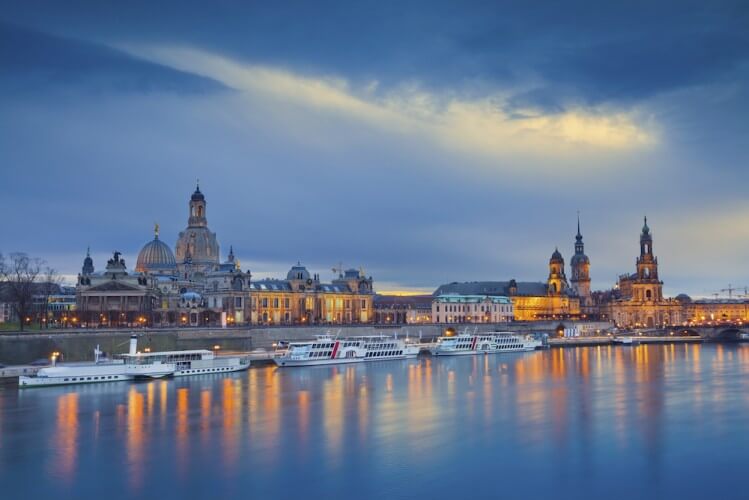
x=730, y=333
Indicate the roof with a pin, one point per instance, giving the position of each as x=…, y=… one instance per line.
x=413, y=301
x=530, y=288
x=472, y=299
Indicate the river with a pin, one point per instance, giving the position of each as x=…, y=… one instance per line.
x=658, y=421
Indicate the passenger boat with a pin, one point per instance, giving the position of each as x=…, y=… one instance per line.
x=329, y=350
x=487, y=343
x=135, y=365
x=98, y=371
x=195, y=362
x=324, y=350
x=382, y=347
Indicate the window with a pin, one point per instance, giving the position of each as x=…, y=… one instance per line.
x=286, y=303
x=363, y=304
x=275, y=302
x=238, y=302
x=265, y=302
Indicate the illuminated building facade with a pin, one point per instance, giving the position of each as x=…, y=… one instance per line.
x=530, y=300
x=191, y=287
x=455, y=308
x=638, y=300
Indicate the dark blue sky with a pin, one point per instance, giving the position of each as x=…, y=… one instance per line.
x=428, y=142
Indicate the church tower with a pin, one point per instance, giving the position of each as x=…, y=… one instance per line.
x=197, y=249
x=647, y=286
x=580, y=265
x=557, y=281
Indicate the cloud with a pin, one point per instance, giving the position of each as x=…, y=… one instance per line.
x=476, y=126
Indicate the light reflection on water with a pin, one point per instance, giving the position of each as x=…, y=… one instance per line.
x=567, y=423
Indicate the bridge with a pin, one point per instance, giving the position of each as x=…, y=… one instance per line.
x=709, y=332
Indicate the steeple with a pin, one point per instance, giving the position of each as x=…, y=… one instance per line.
x=88, y=263
x=197, y=209
x=580, y=265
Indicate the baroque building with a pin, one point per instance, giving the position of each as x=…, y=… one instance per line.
x=530, y=300
x=580, y=279
x=638, y=298
x=192, y=287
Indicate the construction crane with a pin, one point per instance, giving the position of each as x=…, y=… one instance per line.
x=732, y=289
x=338, y=270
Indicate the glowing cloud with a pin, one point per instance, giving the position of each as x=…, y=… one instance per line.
x=476, y=126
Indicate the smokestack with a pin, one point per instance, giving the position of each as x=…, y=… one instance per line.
x=133, y=345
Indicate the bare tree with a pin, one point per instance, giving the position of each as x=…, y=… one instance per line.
x=49, y=286
x=18, y=275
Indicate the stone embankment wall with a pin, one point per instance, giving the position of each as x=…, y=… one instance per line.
x=79, y=345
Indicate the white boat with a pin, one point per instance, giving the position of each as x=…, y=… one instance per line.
x=487, y=343
x=382, y=347
x=195, y=362
x=98, y=371
x=329, y=350
x=324, y=350
x=136, y=365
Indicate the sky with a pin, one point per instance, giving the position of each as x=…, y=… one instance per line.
x=424, y=141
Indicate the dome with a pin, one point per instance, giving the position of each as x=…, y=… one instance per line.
x=191, y=297
x=579, y=259
x=197, y=195
x=298, y=272
x=556, y=256
x=199, y=245
x=683, y=298
x=155, y=256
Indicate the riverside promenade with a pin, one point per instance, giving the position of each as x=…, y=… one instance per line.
x=77, y=344
x=20, y=349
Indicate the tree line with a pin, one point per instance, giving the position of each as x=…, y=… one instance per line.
x=26, y=284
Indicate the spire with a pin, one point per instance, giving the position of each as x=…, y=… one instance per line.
x=645, y=228
x=579, y=236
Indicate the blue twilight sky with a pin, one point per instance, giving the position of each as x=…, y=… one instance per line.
x=426, y=141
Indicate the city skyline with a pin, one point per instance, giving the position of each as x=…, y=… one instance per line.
x=465, y=157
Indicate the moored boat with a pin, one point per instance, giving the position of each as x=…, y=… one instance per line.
x=487, y=343
x=324, y=350
x=99, y=371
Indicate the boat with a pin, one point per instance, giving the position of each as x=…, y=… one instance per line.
x=383, y=347
x=195, y=362
x=487, y=343
x=324, y=350
x=329, y=350
x=136, y=365
x=625, y=340
x=101, y=370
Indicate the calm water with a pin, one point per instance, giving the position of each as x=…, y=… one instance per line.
x=604, y=422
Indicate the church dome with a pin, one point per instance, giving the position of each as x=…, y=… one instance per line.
x=298, y=272
x=579, y=259
x=156, y=256
x=556, y=257
x=197, y=195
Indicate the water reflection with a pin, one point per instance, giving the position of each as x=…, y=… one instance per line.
x=66, y=434
x=565, y=410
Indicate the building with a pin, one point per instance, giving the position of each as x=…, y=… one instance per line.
x=531, y=300
x=580, y=278
x=303, y=299
x=638, y=299
x=458, y=308
x=192, y=287
x=403, y=309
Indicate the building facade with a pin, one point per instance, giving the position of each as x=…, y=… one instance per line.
x=457, y=308
x=638, y=298
x=192, y=287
